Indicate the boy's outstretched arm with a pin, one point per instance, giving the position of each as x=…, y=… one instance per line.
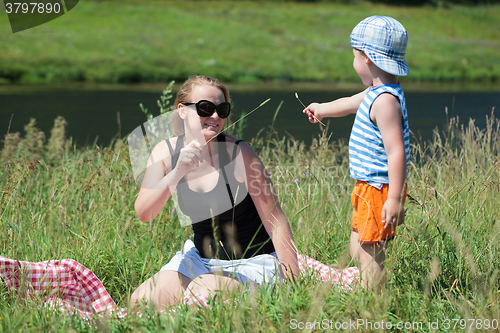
x=386, y=114
x=338, y=108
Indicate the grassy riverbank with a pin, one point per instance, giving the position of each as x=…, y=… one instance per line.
x=244, y=42
x=444, y=264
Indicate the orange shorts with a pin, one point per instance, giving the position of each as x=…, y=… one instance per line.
x=367, y=202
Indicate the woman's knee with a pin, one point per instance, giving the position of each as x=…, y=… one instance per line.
x=206, y=284
x=163, y=289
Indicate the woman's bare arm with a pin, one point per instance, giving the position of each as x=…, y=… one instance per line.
x=161, y=179
x=261, y=190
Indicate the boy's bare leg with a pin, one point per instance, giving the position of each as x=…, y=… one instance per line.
x=372, y=257
x=354, y=247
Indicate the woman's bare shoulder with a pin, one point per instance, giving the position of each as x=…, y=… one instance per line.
x=231, y=139
x=162, y=152
x=243, y=146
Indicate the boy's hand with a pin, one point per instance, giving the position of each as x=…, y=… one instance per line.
x=393, y=213
x=312, y=111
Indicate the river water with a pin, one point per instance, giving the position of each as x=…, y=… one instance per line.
x=91, y=111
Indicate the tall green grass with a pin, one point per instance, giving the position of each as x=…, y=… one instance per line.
x=444, y=263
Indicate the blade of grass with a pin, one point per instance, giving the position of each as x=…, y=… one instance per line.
x=319, y=121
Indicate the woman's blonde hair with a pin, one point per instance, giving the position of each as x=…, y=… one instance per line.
x=184, y=95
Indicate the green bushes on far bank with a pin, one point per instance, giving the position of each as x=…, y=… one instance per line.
x=129, y=42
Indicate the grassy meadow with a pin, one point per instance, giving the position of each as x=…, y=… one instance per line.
x=444, y=264
x=242, y=42
x=58, y=201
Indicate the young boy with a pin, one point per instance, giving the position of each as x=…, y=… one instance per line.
x=379, y=143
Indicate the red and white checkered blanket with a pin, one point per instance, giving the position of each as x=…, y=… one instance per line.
x=70, y=287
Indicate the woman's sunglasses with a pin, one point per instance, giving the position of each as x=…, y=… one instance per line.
x=206, y=108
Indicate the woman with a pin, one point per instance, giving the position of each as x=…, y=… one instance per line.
x=241, y=235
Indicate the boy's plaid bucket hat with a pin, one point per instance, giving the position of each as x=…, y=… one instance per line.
x=383, y=40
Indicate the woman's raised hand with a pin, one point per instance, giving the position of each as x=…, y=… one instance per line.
x=189, y=157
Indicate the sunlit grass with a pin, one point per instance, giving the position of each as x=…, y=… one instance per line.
x=240, y=41
x=443, y=264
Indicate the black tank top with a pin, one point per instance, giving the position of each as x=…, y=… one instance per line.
x=221, y=231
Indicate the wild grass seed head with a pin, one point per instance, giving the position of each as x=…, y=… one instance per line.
x=32, y=145
x=58, y=144
x=11, y=143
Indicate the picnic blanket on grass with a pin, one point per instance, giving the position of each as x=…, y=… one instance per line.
x=70, y=287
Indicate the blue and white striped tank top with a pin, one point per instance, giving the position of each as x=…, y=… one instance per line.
x=367, y=156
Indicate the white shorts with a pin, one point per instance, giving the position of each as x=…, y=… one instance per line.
x=261, y=269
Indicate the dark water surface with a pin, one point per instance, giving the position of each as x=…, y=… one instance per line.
x=92, y=112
